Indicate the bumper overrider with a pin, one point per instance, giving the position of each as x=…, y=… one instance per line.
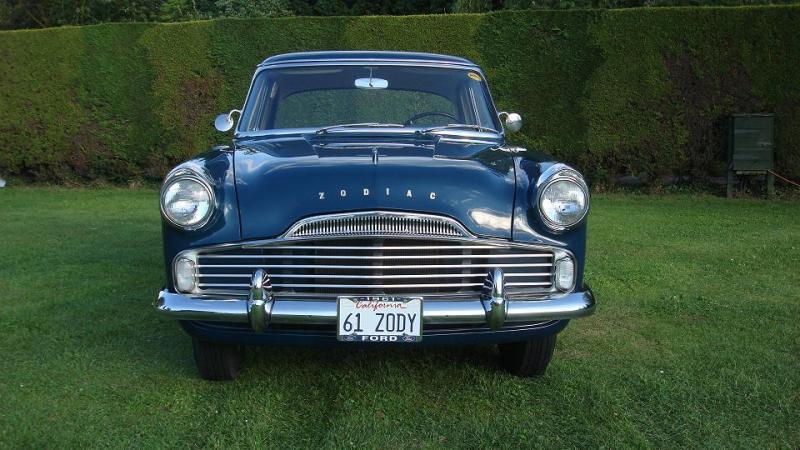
x=261, y=311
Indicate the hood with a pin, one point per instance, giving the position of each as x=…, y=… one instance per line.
x=282, y=180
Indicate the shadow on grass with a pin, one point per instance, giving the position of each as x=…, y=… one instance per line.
x=130, y=333
x=344, y=359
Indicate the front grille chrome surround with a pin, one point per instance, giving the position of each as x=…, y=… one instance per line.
x=377, y=223
x=330, y=256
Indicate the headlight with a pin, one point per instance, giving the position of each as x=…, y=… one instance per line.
x=563, y=199
x=187, y=200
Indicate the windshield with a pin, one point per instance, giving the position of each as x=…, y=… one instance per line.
x=368, y=95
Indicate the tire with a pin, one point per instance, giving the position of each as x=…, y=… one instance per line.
x=217, y=361
x=528, y=358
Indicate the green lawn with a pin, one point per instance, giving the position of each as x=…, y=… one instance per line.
x=695, y=342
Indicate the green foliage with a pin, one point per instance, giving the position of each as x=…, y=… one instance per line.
x=179, y=10
x=51, y=13
x=16, y=14
x=252, y=8
x=367, y=7
x=674, y=85
x=613, y=92
x=472, y=6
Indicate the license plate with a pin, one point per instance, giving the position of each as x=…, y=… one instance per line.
x=379, y=319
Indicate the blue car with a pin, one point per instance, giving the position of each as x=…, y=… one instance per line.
x=371, y=198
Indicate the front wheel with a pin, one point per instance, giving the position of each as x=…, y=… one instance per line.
x=528, y=358
x=216, y=361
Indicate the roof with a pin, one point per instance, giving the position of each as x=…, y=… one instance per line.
x=373, y=56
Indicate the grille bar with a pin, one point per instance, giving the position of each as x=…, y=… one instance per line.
x=368, y=277
x=378, y=286
x=366, y=286
x=369, y=267
x=381, y=257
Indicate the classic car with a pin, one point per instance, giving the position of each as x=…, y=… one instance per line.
x=367, y=199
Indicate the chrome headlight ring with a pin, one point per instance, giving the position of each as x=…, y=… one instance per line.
x=201, y=180
x=555, y=174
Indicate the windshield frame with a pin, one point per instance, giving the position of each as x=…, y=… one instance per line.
x=497, y=123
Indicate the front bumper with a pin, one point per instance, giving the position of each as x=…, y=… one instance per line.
x=494, y=313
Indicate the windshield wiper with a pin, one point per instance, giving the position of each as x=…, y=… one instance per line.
x=356, y=125
x=457, y=126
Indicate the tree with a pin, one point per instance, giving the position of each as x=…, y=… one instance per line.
x=472, y=6
x=253, y=8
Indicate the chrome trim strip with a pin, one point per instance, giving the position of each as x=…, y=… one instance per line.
x=380, y=257
x=408, y=132
x=472, y=240
x=330, y=266
x=354, y=286
x=310, y=296
x=372, y=277
x=377, y=247
x=368, y=286
x=370, y=61
x=457, y=140
x=369, y=223
x=378, y=286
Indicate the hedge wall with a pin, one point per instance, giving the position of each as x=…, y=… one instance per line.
x=615, y=92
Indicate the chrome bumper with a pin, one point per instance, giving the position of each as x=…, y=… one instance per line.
x=492, y=311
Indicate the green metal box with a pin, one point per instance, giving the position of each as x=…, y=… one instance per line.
x=751, y=142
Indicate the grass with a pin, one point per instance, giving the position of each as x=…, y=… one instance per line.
x=695, y=343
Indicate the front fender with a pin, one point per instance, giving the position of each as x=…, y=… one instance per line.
x=217, y=163
x=528, y=225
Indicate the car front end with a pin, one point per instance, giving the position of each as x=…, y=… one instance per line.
x=411, y=222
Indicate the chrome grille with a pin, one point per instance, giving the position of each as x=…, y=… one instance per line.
x=326, y=267
x=381, y=223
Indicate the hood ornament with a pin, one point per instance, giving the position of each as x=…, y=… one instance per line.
x=375, y=156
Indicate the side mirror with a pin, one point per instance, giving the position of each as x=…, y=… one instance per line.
x=513, y=121
x=224, y=122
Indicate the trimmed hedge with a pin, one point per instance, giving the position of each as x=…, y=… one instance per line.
x=614, y=92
